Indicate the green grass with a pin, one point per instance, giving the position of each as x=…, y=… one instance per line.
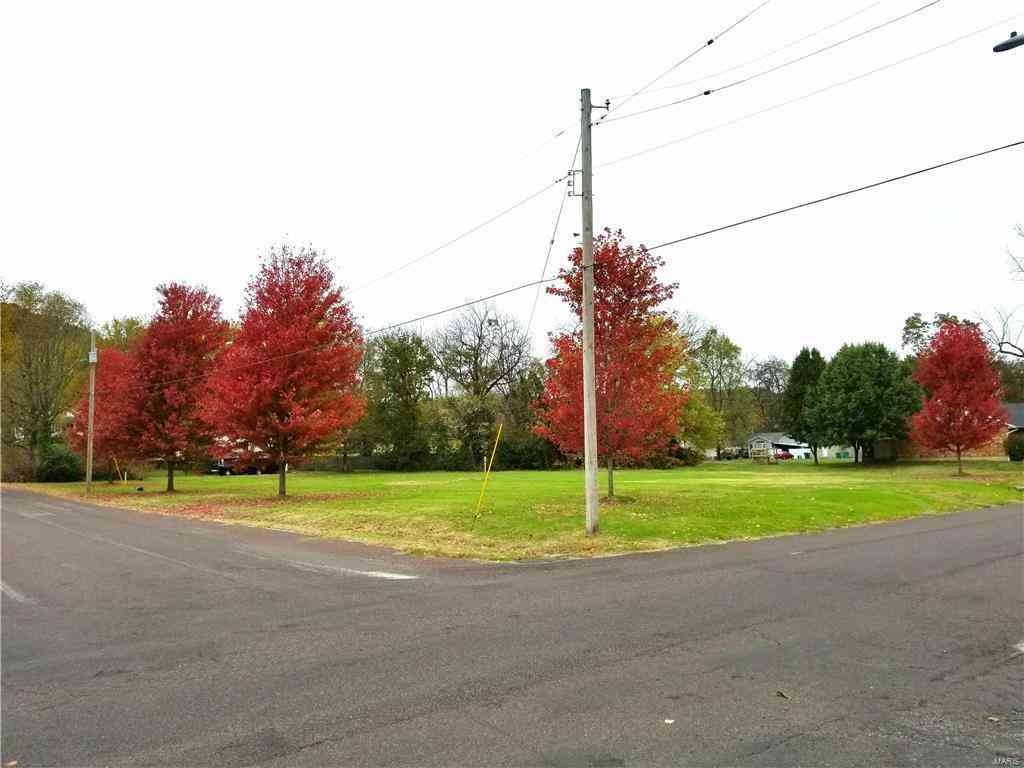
x=540, y=514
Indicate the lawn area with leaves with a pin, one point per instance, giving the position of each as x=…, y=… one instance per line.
x=540, y=514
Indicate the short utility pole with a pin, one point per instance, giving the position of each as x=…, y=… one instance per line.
x=589, y=383
x=92, y=411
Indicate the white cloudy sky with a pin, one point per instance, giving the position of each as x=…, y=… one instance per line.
x=147, y=142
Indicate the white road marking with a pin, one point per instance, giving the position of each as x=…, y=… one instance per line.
x=14, y=594
x=352, y=571
x=1019, y=647
x=141, y=551
x=59, y=507
x=317, y=567
x=34, y=515
x=324, y=568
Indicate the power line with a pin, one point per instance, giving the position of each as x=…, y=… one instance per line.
x=542, y=281
x=562, y=131
x=777, y=67
x=457, y=307
x=772, y=52
x=464, y=235
x=467, y=233
x=685, y=59
x=835, y=195
x=804, y=96
x=554, y=233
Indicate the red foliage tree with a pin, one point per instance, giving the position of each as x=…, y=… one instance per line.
x=113, y=385
x=962, y=408
x=288, y=382
x=638, y=402
x=170, y=377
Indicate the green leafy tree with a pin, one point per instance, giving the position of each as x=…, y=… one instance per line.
x=701, y=427
x=396, y=379
x=520, y=447
x=865, y=394
x=919, y=332
x=45, y=343
x=120, y=333
x=474, y=420
x=796, y=411
x=723, y=374
x=479, y=355
x=1011, y=376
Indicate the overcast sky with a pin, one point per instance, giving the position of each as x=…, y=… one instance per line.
x=148, y=142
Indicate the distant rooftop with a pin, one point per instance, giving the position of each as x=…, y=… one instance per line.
x=779, y=438
x=1016, y=411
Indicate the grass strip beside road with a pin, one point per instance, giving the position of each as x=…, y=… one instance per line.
x=540, y=514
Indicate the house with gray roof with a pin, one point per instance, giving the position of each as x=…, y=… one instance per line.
x=1015, y=423
x=764, y=443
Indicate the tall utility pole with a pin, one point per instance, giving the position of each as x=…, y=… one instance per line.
x=589, y=384
x=92, y=411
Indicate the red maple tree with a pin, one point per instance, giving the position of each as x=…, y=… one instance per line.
x=170, y=377
x=288, y=382
x=638, y=401
x=962, y=408
x=113, y=382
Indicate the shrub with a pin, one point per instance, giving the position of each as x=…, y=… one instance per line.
x=59, y=465
x=523, y=450
x=659, y=460
x=1015, y=446
x=689, y=457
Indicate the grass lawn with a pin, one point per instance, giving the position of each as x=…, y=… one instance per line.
x=540, y=514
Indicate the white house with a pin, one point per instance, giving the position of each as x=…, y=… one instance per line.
x=774, y=443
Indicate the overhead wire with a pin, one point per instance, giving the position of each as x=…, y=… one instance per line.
x=835, y=195
x=775, y=68
x=802, y=97
x=462, y=236
x=538, y=193
x=544, y=280
x=683, y=60
x=770, y=53
x=554, y=234
x=666, y=244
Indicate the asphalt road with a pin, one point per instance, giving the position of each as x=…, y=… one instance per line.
x=142, y=639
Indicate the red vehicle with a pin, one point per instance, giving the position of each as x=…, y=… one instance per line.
x=783, y=455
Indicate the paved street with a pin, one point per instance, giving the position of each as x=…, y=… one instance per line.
x=143, y=639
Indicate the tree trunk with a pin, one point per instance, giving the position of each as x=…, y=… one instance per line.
x=611, y=478
x=170, y=476
x=959, y=461
x=814, y=453
x=856, y=453
x=33, y=456
x=280, y=476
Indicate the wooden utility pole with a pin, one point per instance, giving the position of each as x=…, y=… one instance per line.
x=92, y=411
x=589, y=383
